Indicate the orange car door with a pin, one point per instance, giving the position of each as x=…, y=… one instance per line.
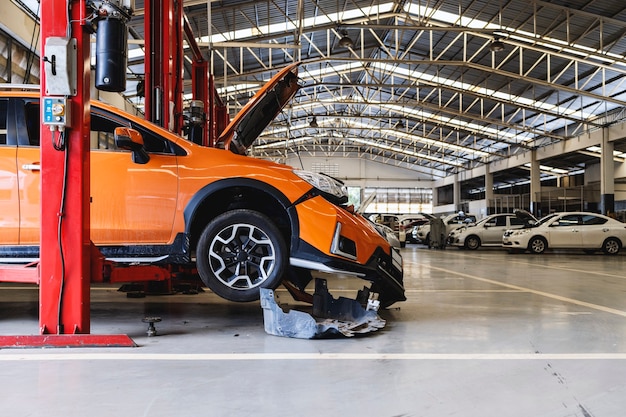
x=9, y=200
x=132, y=203
x=29, y=174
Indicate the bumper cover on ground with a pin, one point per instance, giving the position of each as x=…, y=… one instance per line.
x=333, y=317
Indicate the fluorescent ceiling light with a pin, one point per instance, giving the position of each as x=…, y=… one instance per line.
x=447, y=18
x=307, y=23
x=354, y=124
x=435, y=79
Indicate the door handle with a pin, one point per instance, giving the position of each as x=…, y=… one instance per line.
x=31, y=167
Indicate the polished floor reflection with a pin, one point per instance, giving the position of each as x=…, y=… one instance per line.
x=483, y=333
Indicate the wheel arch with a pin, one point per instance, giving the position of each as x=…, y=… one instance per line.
x=239, y=193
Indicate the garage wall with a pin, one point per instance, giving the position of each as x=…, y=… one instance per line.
x=356, y=172
x=592, y=176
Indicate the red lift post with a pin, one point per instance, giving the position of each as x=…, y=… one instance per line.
x=64, y=246
x=163, y=30
x=215, y=114
x=199, y=78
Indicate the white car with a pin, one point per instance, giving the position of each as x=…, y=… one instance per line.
x=571, y=230
x=488, y=231
x=388, y=233
x=451, y=222
x=406, y=224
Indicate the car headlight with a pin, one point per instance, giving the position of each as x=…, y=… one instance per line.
x=517, y=232
x=326, y=184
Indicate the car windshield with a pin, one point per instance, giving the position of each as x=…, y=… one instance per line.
x=483, y=221
x=543, y=220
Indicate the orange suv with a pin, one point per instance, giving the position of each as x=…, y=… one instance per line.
x=244, y=223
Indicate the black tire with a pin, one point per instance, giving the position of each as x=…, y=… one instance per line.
x=239, y=252
x=472, y=242
x=611, y=246
x=537, y=245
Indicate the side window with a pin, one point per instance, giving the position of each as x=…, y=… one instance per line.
x=33, y=122
x=103, y=129
x=501, y=221
x=570, y=220
x=516, y=221
x=26, y=127
x=592, y=220
x=153, y=142
x=3, y=121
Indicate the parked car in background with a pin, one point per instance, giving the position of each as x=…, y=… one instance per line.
x=407, y=223
x=451, y=222
x=388, y=233
x=570, y=230
x=488, y=231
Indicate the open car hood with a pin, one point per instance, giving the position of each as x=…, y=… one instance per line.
x=259, y=112
x=528, y=219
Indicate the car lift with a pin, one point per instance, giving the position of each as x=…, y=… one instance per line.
x=69, y=262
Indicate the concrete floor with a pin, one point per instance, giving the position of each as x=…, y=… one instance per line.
x=483, y=333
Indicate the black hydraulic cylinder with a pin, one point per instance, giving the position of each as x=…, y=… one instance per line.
x=111, y=54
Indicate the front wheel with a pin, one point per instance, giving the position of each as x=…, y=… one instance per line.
x=611, y=246
x=239, y=252
x=472, y=242
x=537, y=245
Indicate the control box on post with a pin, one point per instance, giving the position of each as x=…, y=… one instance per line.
x=56, y=113
x=60, y=66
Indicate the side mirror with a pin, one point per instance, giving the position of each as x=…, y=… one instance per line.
x=131, y=140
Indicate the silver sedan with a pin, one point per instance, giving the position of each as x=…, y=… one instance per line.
x=570, y=230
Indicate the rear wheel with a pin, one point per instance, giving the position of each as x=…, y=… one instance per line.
x=472, y=242
x=611, y=246
x=537, y=245
x=239, y=252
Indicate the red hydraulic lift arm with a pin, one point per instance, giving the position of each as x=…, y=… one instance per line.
x=203, y=90
x=199, y=79
x=65, y=255
x=163, y=63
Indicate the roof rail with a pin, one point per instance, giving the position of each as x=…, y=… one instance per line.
x=8, y=86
